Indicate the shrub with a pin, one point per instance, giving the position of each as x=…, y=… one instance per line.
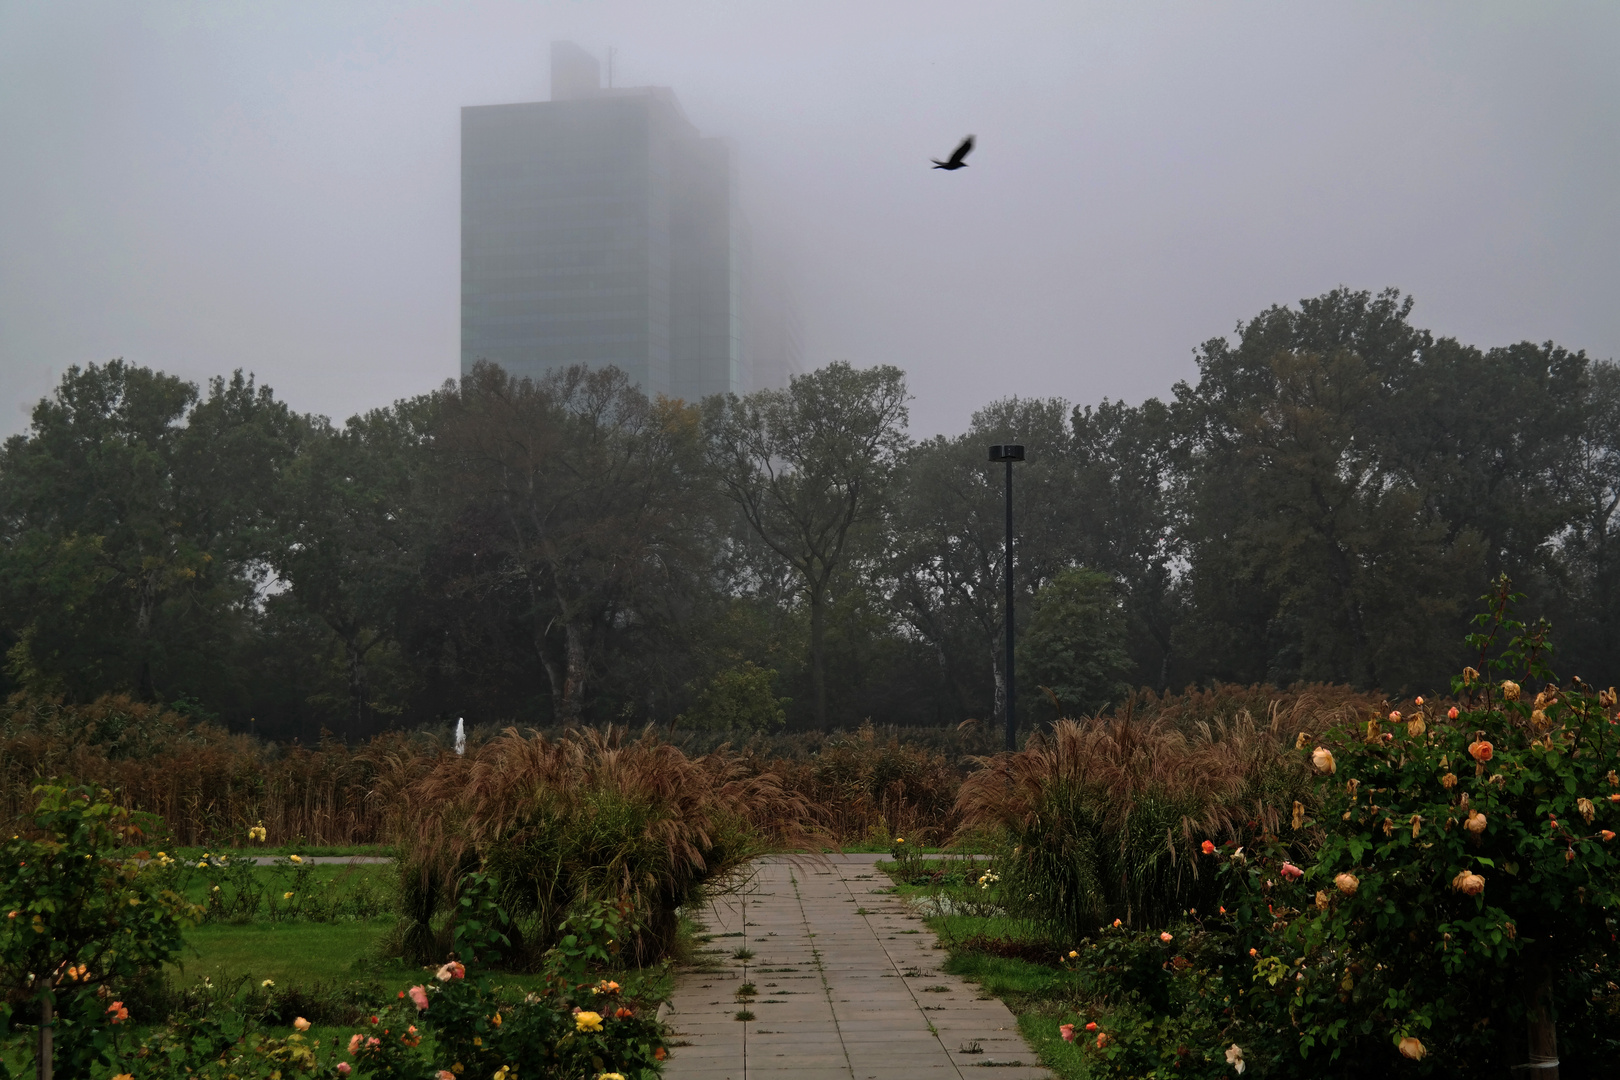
x=1465, y=870
x=80, y=923
x=1452, y=891
x=741, y=699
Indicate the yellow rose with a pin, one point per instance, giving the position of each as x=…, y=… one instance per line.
x=587, y=1021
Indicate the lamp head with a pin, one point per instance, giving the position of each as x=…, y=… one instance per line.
x=1007, y=452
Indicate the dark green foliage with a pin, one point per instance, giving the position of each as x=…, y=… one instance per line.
x=740, y=700
x=1074, y=645
x=563, y=550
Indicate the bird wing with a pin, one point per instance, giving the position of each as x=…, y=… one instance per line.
x=962, y=151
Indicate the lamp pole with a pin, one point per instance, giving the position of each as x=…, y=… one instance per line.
x=1009, y=453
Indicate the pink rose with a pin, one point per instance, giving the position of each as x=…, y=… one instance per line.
x=419, y=998
x=1292, y=872
x=354, y=1043
x=1067, y=1031
x=343, y=1068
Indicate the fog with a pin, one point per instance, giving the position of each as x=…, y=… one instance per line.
x=204, y=186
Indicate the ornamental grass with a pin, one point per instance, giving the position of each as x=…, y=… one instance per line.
x=209, y=786
x=590, y=815
x=1104, y=817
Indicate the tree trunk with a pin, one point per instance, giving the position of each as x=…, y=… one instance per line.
x=357, y=686
x=818, y=659
x=1543, y=1029
x=573, y=695
x=47, y=1020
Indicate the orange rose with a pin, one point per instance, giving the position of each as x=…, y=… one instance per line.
x=1481, y=751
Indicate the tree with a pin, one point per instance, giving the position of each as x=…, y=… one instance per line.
x=809, y=468
x=588, y=497
x=351, y=533
x=1074, y=645
x=1316, y=550
x=949, y=533
x=135, y=518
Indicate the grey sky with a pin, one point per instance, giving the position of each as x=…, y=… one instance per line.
x=274, y=186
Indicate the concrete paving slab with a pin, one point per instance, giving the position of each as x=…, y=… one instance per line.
x=860, y=998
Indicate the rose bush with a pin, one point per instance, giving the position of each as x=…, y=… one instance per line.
x=1454, y=892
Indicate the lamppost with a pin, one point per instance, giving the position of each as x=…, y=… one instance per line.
x=1009, y=453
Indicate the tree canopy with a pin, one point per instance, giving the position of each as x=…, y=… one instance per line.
x=1318, y=504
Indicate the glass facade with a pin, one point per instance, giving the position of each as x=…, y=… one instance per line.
x=599, y=228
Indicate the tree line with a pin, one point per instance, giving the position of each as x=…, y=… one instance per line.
x=1323, y=504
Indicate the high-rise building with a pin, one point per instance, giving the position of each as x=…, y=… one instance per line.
x=600, y=228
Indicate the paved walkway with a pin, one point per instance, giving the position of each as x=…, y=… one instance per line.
x=846, y=986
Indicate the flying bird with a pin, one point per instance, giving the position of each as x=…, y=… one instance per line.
x=956, y=161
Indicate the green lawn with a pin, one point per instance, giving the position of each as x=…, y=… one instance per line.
x=288, y=952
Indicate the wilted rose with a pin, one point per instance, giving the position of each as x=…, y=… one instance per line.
x=1347, y=883
x=1587, y=810
x=1299, y=814
x=1510, y=690
x=1322, y=899
x=1468, y=883
x=1448, y=781
x=1475, y=823
x=1415, y=727
x=1322, y=759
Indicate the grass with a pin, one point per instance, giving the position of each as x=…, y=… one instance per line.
x=1040, y=995
x=289, y=952
x=195, y=884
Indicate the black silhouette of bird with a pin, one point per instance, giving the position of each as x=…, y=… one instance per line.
x=956, y=161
